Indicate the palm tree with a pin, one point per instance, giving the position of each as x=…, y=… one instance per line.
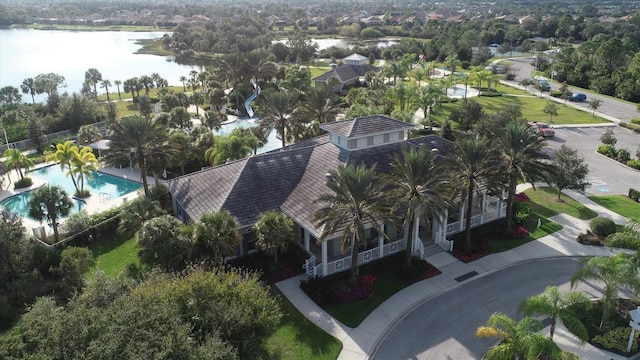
x=137, y=139
x=183, y=79
x=319, y=106
x=64, y=155
x=196, y=99
x=215, y=235
x=29, y=87
x=93, y=76
x=471, y=165
x=228, y=148
x=83, y=165
x=555, y=305
x=146, y=82
x=617, y=272
x=452, y=62
x=138, y=211
x=357, y=200
x=522, y=156
x=259, y=65
x=274, y=232
x=88, y=134
x=418, y=187
x=49, y=203
x=117, y=83
x=105, y=84
x=425, y=98
x=518, y=339
x=16, y=160
x=276, y=113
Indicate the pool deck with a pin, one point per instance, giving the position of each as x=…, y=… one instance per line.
x=94, y=203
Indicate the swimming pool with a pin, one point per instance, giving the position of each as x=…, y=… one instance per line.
x=244, y=123
x=103, y=185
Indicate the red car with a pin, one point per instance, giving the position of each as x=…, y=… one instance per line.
x=541, y=129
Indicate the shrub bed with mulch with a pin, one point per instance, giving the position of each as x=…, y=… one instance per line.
x=289, y=264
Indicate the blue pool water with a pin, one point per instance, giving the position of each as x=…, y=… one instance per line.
x=53, y=175
x=244, y=123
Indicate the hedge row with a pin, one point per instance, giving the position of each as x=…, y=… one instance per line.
x=630, y=126
x=620, y=155
x=635, y=121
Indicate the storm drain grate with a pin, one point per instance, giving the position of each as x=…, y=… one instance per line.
x=466, y=276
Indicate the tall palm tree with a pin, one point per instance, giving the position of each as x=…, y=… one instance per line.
x=83, y=165
x=356, y=200
x=419, y=188
x=518, y=339
x=522, y=156
x=117, y=83
x=617, y=272
x=105, y=84
x=471, y=165
x=28, y=86
x=424, y=97
x=215, y=235
x=137, y=139
x=452, y=62
x=16, y=160
x=93, y=76
x=556, y=305
x=319, y=106
x=276, y=112
x=49, y=203
x=228, y=148
x=64, y=155
x=183, y=80
x=259, y=65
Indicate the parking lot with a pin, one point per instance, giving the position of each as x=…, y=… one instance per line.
x=606, y=175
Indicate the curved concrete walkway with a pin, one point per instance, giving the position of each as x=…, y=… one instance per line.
x=359, y=343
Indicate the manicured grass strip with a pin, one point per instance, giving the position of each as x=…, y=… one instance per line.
x=544, y=202
x=353, y=313
x=114, y=253
x=546, y=227
x=298, y=338
x=619, y=204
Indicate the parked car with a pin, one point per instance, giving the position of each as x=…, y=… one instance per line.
x=541, y=129
x=578, y=97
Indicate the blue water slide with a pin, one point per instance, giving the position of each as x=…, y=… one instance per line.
x=247, y=103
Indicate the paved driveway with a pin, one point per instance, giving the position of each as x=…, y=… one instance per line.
x=606, y=175
x=444, y=327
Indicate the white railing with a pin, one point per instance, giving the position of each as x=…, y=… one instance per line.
x=446, y=245
x=394, y=247
x=363, y=258
x=369, y=255
x=454, y=227
x=309, y=266
x=476, y=220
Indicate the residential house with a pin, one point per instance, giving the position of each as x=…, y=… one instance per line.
x=291, y=179
x=354, y=68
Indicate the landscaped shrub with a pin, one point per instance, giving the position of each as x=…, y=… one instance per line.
x=23, y=183
x=630, y=126
x=489, y=94
x=555, y=93
x=608, y=150
x=590, y=239
x=634, y=194
x=624, y=240
x=602, y=226
x=521, y=232
x=623, y=156
x=608, y=137
x=521, y=209
x=634, y=164
x=616, y=340
x=635, y=121
x=76, y=223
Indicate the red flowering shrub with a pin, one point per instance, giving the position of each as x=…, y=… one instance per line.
x=431, y=272
x=521, y=232
x=285, y=273
x=521, y=197
x=483, y=248
x=360, y=291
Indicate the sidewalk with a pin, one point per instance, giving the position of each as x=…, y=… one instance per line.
x=359, y=343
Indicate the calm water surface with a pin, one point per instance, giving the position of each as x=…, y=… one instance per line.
x=26, y=53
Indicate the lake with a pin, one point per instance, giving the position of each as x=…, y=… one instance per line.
x=26, y=53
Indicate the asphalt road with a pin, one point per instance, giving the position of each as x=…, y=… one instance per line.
x=606, y=175
x=443, y=327
x=621, y=110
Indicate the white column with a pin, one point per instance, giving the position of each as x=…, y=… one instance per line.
x=324, y=258
x=306, y=239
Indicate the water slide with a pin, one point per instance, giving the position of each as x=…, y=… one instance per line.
x=247, y=103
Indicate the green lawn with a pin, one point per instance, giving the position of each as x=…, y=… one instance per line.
x=353, y=313
x=619, y=204
x=544, y=202
x=546, y=227
x=114, y=253
x=298, y=338
x=531, y=107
